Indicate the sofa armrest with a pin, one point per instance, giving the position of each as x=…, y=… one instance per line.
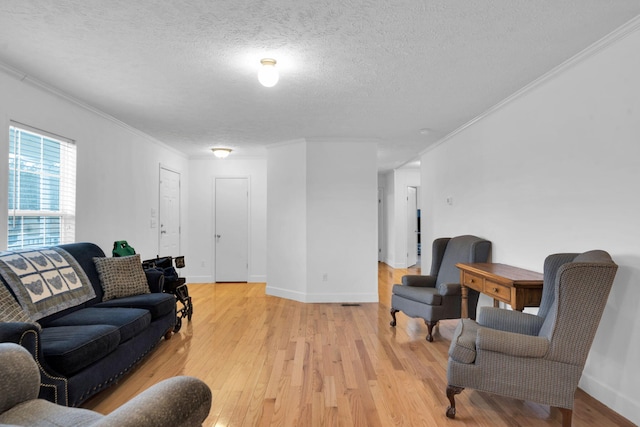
x=155, y=278
x=25, y=334
x=177, y=401
x=53, y=386
x=510, y=320
x=14, y=331
x=20, y=376
x=517, y=345
x=449, y=289
x=420, y=281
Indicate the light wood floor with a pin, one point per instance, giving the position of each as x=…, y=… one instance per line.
x=276, y=362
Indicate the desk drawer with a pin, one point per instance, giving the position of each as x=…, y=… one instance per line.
x=472, y=281
x=497, y=291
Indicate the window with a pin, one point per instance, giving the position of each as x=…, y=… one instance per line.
x=42, y=188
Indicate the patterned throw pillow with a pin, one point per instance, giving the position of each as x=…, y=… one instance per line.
x=10, y=310
x=121, y=276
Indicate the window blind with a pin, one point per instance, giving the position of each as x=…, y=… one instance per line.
x=42, y=188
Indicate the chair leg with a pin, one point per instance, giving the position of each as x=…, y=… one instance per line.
x=567, y=414
x=451, y=393
x=393, y=315
x=430, y=326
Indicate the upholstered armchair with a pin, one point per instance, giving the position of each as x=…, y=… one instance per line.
x=438, y=296
x=538, y=357
x=178, y=401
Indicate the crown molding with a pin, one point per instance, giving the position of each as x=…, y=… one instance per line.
x=27, y=79
x=618, y=34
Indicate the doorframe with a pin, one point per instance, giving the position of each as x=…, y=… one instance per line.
x=382, y=227
x=213, y=228
x=170, y=169
x=411, y=236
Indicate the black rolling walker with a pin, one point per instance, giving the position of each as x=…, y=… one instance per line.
x=173, y=284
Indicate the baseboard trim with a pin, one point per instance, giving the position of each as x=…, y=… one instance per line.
x=209, y=279
x=284, y=293
x=321, y=298
x=621, y=404
x=257, y=278
x=200, y=279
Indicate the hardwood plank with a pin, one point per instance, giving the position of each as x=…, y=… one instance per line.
x=276, y=362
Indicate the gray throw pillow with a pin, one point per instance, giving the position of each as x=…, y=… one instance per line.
x=121, y=276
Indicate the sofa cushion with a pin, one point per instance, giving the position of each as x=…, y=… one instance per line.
x=69, y=349
x=129, y=321
x=157, y=304
x=423, y=295
x=121, y=276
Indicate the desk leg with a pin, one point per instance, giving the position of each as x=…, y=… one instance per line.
x=464, y=309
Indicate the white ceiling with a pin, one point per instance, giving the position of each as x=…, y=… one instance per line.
x=184, y=72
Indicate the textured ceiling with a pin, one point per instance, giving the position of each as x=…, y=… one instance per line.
x=184, y=72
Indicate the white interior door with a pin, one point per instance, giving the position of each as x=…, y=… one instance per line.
x=412, y=226
x=169, y=215
x=232, y=229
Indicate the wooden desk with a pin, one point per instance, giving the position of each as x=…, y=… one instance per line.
x=515, y=286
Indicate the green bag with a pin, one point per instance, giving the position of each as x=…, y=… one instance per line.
x=122, y=248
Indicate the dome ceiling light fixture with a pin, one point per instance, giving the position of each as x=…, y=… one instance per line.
x=221, y=153
x=268, y=73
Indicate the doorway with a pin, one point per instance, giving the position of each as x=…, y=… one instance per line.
x=382, y=249
x=413, y=226
x=169, y=215
x=231, y=229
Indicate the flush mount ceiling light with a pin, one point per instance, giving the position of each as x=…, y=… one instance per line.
x=221, y=153
x=268, y=73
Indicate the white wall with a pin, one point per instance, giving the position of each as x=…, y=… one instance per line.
x=342, y=222
x=557, y=169
x=322, y=222
x=117, y=166
x=201, y=195
x=287, y=220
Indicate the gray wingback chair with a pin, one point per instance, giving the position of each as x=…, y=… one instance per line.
x=438, y=296
x=178, y=401
x=540, y=357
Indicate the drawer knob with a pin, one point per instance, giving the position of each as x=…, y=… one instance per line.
x=495, y=289
x=471, y=281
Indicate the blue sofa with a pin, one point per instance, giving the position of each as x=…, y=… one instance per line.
x=88, y=347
